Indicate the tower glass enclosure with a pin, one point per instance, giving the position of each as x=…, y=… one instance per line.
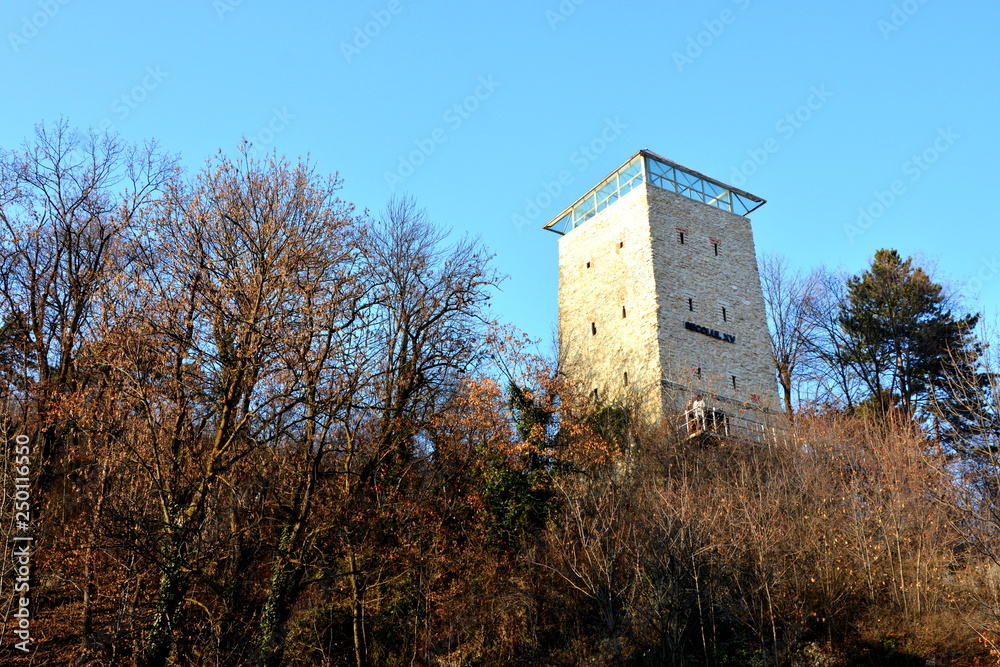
x=659, y=295
x=648, y=167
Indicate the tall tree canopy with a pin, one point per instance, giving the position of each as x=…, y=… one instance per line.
x=902, y=340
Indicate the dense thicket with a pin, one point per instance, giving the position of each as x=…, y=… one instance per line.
x=267, y=429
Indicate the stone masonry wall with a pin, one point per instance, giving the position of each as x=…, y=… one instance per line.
x=605, y=266
x=630, y=256
x=715, y=268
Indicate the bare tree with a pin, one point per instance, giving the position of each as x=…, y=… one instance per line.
x=788, y=297
x=239, y=282
x=424, y=326
x=70, y=207
x=831, y=382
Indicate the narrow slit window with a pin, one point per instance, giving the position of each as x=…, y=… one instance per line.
x=697, y=372
x=626, y=378
x=691, y=304
x=623, y=312
x=734, y=382
x=593, y=328
x=724, y=316
x=680, y=236
x=588, y=265
x=715, y=248
x=621, y=244
x=595, y=394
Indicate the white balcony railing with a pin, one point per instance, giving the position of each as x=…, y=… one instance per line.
x=725, y=425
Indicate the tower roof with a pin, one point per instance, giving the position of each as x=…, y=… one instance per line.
x=648, y=167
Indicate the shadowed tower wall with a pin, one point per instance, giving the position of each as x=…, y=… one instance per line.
x=659, y=293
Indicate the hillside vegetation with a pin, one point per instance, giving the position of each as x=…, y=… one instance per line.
x=263, y=428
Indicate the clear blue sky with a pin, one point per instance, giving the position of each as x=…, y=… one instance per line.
x=820, y=108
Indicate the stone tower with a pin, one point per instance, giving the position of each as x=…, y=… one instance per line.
x=660, y=298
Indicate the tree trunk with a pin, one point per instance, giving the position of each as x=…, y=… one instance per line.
x=89, y=588
x=357, y=615
x=160, y=640
x=786, y=391
x=285, y=580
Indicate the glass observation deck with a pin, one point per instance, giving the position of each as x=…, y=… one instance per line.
x=648, y=167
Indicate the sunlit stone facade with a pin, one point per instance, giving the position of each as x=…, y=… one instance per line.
x=659, y=293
